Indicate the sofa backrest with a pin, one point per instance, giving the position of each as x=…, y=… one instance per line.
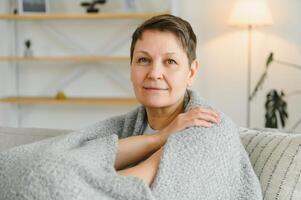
x=11, y=137
x=276, y=160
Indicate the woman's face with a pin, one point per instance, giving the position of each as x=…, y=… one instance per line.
x=160, y=71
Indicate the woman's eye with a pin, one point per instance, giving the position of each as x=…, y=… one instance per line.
x=171, y=61
x=143, y=60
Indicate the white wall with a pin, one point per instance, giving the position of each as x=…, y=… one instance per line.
x=222, y=51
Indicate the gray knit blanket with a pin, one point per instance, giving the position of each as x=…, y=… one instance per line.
x=196, y=163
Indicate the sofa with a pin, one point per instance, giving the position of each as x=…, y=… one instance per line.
x=274, y=154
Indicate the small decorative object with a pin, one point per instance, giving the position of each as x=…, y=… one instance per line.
x=28, y=51
x=33, y=6
x=60, y=95
x=90, y=6
x=13, y=7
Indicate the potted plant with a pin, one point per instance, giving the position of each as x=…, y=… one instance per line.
x=276, y=104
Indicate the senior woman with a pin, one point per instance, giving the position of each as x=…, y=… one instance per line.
x=207, y=153
x=163, y=66
x=175, y=146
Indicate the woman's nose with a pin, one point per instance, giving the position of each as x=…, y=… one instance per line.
x=156, y=71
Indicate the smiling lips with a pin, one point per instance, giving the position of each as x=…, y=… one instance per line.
x=155, y=88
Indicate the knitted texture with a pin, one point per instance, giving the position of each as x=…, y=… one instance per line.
x=196, y=163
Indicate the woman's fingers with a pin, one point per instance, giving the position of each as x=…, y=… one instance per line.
x=208, y=117
x=200, y=110
x=208, y=111
x=196, y=117
x=198, y=122
x=203, y=114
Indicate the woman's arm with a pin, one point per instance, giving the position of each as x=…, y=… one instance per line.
x=145, y=170
x=135, y=148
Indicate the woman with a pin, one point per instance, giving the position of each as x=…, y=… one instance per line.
x=163, y=66
x=205, y=160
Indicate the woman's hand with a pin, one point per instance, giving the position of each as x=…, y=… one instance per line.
x=195, y=117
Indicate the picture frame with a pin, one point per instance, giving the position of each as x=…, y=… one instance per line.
x=33, y=6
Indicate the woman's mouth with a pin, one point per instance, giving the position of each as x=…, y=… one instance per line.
x=155, y=89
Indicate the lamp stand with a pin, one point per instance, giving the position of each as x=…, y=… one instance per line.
x=249, y=74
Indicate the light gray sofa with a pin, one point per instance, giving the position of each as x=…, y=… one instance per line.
x=274, y=154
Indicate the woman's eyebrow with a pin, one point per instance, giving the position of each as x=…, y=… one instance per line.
x=170, y=53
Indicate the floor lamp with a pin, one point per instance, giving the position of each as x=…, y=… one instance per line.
x=250, y=14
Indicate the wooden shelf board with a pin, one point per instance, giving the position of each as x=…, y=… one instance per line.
x=68, y=101
x=56, y=16
x=65, y=59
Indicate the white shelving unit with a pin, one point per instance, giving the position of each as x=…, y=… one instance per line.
x=17, y=60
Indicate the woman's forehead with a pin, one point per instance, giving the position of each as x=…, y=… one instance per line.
x=162, y=42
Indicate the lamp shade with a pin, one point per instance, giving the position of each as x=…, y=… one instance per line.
x=250, y=12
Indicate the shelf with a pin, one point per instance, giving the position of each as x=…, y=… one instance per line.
x=68, y=101
x=65, y=59
x=63, y=16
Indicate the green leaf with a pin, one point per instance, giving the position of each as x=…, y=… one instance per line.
x=275, y=107
x=270, y=59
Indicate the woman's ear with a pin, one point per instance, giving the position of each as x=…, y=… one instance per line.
x=192, y=72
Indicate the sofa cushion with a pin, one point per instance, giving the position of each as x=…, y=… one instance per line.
x=276, y=159
x=11, y=137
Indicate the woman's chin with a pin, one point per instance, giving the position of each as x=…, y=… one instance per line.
x=154, y=103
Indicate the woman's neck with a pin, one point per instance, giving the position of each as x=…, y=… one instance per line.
x=158, y=118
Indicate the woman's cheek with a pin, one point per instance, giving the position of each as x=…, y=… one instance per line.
x=136, y=76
